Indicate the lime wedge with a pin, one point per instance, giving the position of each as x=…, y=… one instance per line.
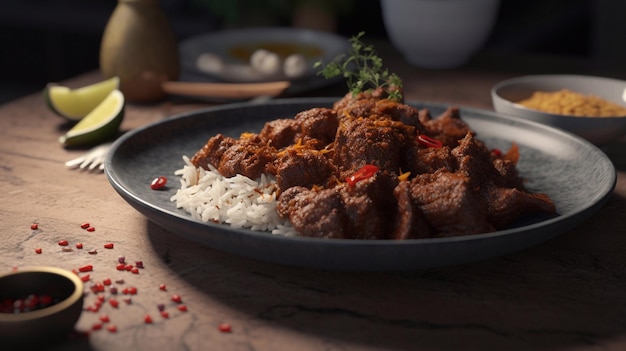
x=74, y=104
x=101, y=124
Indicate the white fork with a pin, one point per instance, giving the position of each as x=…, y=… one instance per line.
x=92, y=160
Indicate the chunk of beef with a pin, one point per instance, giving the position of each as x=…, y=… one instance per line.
x=280, y=133
x=406, y=114
x=368, y=140
x=410, y=222
x=475, y=160
x=305, y=168
x=370, y=205
x=212, y=152
x=314, y=213
x=247, y=158
x=419, y=159
x=318, y=123
x=448, y=127
x=348, y=212
x=506, y=205
x=359, y=102
x=450, y=204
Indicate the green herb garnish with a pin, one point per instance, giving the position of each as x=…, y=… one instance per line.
x=363, y=70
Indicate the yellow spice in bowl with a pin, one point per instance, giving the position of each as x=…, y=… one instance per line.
x=567, y=102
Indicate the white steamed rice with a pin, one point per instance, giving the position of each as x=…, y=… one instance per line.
x=239, y=201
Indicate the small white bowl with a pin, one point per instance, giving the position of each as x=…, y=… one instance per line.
x=597, y=130
x=439, y=34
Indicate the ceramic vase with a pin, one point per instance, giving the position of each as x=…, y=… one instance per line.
x=140, y=47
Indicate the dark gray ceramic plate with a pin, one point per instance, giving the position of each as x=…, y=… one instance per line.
x=576, y=174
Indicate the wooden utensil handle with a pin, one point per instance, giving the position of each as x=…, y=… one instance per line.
x=225, y=90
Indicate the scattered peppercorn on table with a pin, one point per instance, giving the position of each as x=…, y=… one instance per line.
x=149, y=289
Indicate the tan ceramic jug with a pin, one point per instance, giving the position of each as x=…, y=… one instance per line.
x=140, y=47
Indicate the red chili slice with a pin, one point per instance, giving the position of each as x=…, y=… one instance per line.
x=365, y=172
x=428, y=141
x=158, y=183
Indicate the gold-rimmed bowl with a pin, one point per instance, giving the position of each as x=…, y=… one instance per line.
x=47, y=320
x=597, y=130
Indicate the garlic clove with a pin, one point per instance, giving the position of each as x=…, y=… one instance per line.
x=294, y=66
x=210, y=63
x=265, y=62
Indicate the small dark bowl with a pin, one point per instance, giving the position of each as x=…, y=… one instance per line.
x=597, y=130
x=44, y=324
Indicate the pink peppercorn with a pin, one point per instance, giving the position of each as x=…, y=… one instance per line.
x=86, y=268
x=104, y=318
x=225, y=328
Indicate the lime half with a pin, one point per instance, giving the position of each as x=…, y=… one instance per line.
x=75, y=104
x=101, y=124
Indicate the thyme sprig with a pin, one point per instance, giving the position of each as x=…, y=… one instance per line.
x=363, y=70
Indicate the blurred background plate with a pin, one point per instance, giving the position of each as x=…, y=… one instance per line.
x=235, y=47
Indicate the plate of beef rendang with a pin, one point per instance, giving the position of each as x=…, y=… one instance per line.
x=574, y=174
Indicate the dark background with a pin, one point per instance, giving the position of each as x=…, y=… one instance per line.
x=50, y=40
